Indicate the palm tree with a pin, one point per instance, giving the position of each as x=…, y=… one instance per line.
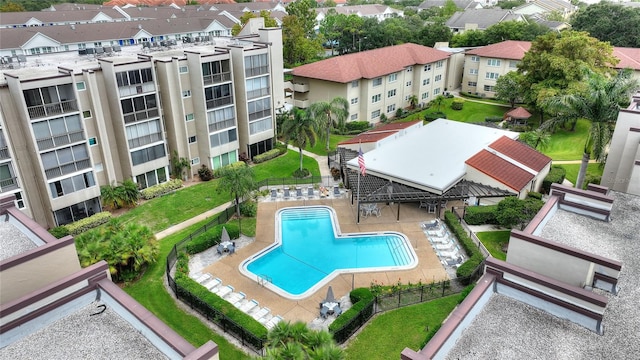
x=600, y=104
x=330, y=114
x=239, y=180
x=130, y=194
x=413, y=101
x=296, y=341
x=109, y=196
x=301, y=129
x=537, y=138
x=438, y=101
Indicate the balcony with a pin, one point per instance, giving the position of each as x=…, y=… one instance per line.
x=260, y=70
x=216, y=78
x=214, y=103
x=302, y=104
x=219, y=125
x=144, y=140
x=251, y=94
x=46, y=110
x=135, y=89
x=141, y=115
x=8, y=184
x=67, y=168
x=301, y=88
x=259, y=114
x=4, y=153
x=59, y=140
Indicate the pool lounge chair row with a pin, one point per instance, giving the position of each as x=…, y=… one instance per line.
x=299, y=193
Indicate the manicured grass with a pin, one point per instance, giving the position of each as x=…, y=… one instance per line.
x=151, y=293
x=389, y=333
x=284, y=166
x=495, y=241
x=573, y=169
x=568, y=145
x=472, y=112
x=320, y=148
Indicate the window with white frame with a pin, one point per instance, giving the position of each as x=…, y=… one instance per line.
x=425, y=95
x=189, y=117
x=354, y=101
x=354, y=84
x=492, y=76
x=93, y=141
x=409, y=83
x=393, y=77
x=80, y=85
x=472, y=83
x=195, y=161
x=86, y=114
x=475, y=58
x=354, y=116
x=391, y=93
x=439, y=64
x=513, y=64
x=377, y=81
x=473, y=71
x=426, y=81
x=183, y=69
x=375, y=114
x=436, y=91
x=427, y=67
x=489, y=88
x=376, y=98
x=186, y=93
x=493, y=62
x=391, y=108
x=192, y=139
x=438, y=78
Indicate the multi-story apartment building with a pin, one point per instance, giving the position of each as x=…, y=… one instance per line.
x=91, y=122
x=375, y=82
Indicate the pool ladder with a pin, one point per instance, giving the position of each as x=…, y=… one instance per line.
x=263, y=279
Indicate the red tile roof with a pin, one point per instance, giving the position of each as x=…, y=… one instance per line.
x=629, y=58
x=509, y=49
x=370, y=64
x=519, y=113
x=521, y=153
x=500, y=169
x=378, y=133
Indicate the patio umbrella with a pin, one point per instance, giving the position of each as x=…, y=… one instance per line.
x=225, y=235
x=330, y=297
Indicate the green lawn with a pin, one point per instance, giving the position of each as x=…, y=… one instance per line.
x=389, y=333
x=472, y=112
x=572, y=171
x=495, y=241
x=568, y=145
x=320, y=148
x=284, y=166
x=151, y=293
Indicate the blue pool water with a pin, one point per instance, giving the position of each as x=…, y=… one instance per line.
x=308, y=253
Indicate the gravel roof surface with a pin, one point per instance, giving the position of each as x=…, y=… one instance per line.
x=82, y=336
x=510, y=329
x=13, y=241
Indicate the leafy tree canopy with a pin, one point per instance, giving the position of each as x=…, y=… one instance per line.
x=506, y=30
x=508, y=88
x=268, y=21
x=617, y=24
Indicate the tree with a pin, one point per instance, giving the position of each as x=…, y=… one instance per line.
x=129, y=193
x=469, y=38
x=438, y=101
x=330, y=114
x=239, y=180
x=433, y=33
x=296, y=341
x=10, y=6
x=298, y=47
x=268, y=21
x=508, y=88
x=512, y=211
x=599, y=104
x=413, y=101
x=514, y=30
x=614, y=23
x=301, y=129
x=537, y=138
x=178, y=164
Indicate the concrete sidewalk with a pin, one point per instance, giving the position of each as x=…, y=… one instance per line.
x=177, y=227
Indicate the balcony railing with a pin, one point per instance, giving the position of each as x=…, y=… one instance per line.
x=302, y=88
x=257, y=93
x=144, y=140
x=67, y=168
x=214, y=103
x=259, y=114
x=59, y=140
x=141, y=115
x=222, y=125
x=216, y=78
x=8, y=184
x=135, y=89
x=302, y=104
x=4, y=153
x=256, y=71
x=46, y=110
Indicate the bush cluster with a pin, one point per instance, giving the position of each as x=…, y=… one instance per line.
x=556, y=175
x=204, y=173
x=301, y=173
x=210, y=238
x=493, y=119
x=249, y=208
x=534, y=195
x=358, y=126
x=218, y=172
x=475, y=257
x=480, y=215
x=457, y=104
x=273, y=153
x=80, y=226
x=240, y=318
x=360, y=298
x=161, y=189
x=433, y=115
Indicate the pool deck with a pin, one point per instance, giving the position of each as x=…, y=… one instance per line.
x=306, y=310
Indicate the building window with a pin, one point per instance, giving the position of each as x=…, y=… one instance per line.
x=255, y=65
x=436, y=91
x=81, y=86
x=438, y=78
x=189, y=117
x=354, y=116
x=493, y=62
x=473, y=71
x=192, y=139
x=354, y=84
x=93, y=141
x=513, y=64
x=425, y=95
x=72, y=184
x=475, y=58
x=376, y=98
x=439, y=64
x=426, y=81
x=86, y=114
x=377, y=81
x=489, y=88
x=195, y=161
x=409, y=83
x=391, y=93
x=19, y=200
x=391, y=108
x=148, y=154
x=183, y=69
x=354, y=101
x=393, y=77
x=492, y=76
x=98, y=167
x=472, y=83
x=427, y=67
x=375, y=114
x=186, y=93
x=224, y=159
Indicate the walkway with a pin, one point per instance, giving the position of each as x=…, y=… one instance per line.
x=322, y=160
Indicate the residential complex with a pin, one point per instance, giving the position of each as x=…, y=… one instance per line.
x=81, y=121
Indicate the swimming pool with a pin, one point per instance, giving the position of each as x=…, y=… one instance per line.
x=309, y=250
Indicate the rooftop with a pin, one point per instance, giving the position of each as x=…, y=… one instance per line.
x=510, y=49
x=379, y=132
x=13, y=241
x=500, y=169
x=521, y=331
x=521, y=153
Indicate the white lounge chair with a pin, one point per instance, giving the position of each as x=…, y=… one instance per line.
x=261, y=313
x=249, y=306
x=204, y=278
x=272, y=323
x=225, y=290
x=212, y=284
x=234, y=297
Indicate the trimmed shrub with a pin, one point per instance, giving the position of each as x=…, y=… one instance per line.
x=400, y=113
x=475, y=257
x=556, y=175
x=480, y=215
x=160, y=189
x=218, y=172
x=357, y=126
x=59, y=232
x=430, y=116
x=211, y=238
x=493, y=119
x=457, y=104
x=205, y=173
x=271, y=154
x=360, y=298
x=591, y=179
x=301, y=173
x=248, y=209
x=80, y=226
x=467, y=268
x=534, y=195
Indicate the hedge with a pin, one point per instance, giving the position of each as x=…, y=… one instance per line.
x=475, y=257
x=360, y=298
x=480, y=215
x=556, y=175
x=160, y=189
x=357, y=126
x=457, y=104
x=494, y=119
x=80, y=226
x=210, y=238
x=271, y=154
x=430, y=116
x=238, y=316
x=218, y=172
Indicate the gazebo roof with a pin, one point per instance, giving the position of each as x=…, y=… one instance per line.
x=519, y=113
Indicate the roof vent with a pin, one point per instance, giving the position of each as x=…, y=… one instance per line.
x=73, y=27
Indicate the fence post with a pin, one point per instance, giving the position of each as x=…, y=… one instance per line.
x=442, y=288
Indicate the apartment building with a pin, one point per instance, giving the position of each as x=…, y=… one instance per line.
x=375, y=82
x=87, y=122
